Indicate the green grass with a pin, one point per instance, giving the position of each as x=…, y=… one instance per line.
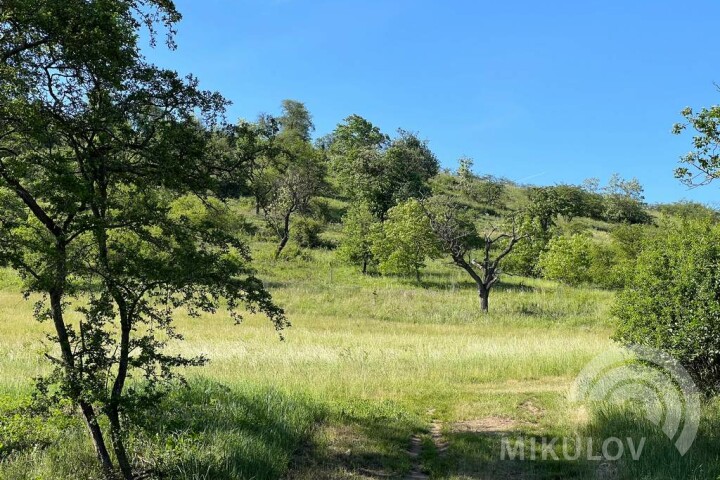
x=367, y=364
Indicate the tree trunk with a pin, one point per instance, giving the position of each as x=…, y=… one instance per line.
x=116, y=436
x=98, y=439
x=113, y=411
x=281, y=245
x=364, y=269
x=69, y=365
x=484, y=293
x=285, y=236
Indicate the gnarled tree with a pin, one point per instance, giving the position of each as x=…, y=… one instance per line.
x=455, y=228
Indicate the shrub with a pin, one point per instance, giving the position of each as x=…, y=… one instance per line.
x=488, y=191
x=307, y=232
x=672, y=300
x=525, y=256
x=568, y=259
x=406, y=241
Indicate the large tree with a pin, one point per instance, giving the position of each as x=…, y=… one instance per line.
x=97, y=150
x=369, y=167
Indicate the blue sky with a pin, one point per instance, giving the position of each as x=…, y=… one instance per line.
x=538, y=92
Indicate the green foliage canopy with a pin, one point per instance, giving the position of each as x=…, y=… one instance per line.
x=672, y=300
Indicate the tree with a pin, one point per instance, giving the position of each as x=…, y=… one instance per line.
x=526, y=254
x=672, y=299
x=256, y=159
x=704, y=160
x=355, y=133
x=569, y=201
x=568, y=259
x=405, y=241
x=489, y=191
x=298, y=174
x=459, y=237
x=296, y=120
x=96, y=149
x=370, y=168
x=355, y=150
x=291, y=194
x=486, y=190
x=624, y=201
x=409, y=165
x=359, y=228
x=465, y=175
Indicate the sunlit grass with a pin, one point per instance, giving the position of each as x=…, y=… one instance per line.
x=367, y=363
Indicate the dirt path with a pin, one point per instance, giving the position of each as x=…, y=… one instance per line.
x=415, y=451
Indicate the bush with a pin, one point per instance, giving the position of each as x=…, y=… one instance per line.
x=406, y=241
x=488, y=191
x=524, y=258
x=568, y=259
x=672, y=300
x=326, y=210
x=687, y=209
x=306, y=232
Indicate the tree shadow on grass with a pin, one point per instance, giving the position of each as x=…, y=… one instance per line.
x=209, y=431
x=478, y=455
x=659, y=458
x=357, y=447
x=360, y=440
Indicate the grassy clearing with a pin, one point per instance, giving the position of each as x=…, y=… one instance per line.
x=369, y=362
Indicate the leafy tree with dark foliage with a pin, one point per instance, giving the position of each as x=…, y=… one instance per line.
x=99, y=151
x=297, y=173
x=371, y=168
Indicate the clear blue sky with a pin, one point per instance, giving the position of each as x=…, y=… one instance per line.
x=538, y=92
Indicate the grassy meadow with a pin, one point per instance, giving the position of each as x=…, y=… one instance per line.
x=370, y=365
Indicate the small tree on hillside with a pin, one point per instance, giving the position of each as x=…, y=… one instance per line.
x=360, y=226
x=459, y=238
x=489, y=191
x=568, y=259
x=291, y=194
x=301, y=177
x=465, y=175
x=568, y=201
x=410, y=164
x=624, y=201
x=405, y=241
